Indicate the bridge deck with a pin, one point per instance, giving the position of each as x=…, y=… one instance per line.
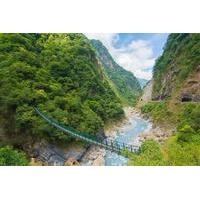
x=109, y=144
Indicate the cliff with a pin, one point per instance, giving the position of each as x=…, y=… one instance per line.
x=123, y=82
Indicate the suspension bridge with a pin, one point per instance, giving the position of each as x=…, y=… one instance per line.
x=109, y=144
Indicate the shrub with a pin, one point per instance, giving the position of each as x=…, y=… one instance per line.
x=159, y=111
x=11, y=157
x=187, y=153
x=149, y=155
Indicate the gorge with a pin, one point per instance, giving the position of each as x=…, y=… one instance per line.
x=77, y=82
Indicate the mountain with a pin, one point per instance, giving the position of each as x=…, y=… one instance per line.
x=123, y=82
x=143, y=82
x=174, y=105
x=58, y=73
x=177, y=72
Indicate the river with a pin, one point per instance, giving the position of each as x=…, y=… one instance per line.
x=128, y=133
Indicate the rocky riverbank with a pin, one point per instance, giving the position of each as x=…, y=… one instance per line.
x=155, y=132
x=159, y=133
x=96, y=155
x=44, y=154
x=76, y=154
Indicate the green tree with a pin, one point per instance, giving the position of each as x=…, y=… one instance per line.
x=11, y=157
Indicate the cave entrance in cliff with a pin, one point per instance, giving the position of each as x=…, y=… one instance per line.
x=186, y=99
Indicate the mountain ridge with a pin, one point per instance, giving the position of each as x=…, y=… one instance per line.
x=123, y=82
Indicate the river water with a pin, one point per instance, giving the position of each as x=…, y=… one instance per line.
x=127, y=133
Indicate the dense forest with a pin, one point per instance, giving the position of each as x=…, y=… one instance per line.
x=176, y=89
x=123, y=82
x=77, y=82
x=58, y=73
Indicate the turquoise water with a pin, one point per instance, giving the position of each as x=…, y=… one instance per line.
x=127, y=134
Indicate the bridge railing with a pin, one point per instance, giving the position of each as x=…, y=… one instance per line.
x=106, y=143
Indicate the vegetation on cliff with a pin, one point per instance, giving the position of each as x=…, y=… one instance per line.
x=60, y=74
x=178, y=65
x=77, y=82
x=179, y=60
x=123, y=82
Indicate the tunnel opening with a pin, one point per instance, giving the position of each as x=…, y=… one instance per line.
x=186, y=98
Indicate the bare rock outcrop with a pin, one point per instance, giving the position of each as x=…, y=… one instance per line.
x=147, y=94
x=191, y=88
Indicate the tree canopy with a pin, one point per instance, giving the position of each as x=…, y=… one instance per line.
x=60, y=74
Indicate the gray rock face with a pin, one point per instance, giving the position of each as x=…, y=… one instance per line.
x=190, y=88
x=176, y=72
x=147, y=94
x=94, y=156
x=54, y=156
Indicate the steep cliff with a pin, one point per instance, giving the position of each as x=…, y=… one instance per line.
x=176, y=103
x=146, y=94
x=123, y=82
x=177, y=72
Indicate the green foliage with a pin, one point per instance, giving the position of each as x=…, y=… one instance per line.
x=190, y=114
x=147, y=108
x=149, y=155
x=159, y=112
x=183, y=148
x=189, y=125
x=185, y=133
x=11, y=157
x=179, y=59
x=124, y=83
x=60, y=74
x=173, y=153
x=183, y=154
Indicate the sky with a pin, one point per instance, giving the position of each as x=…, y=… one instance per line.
x=136, y=52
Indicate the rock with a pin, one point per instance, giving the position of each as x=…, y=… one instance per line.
x=94, y=156
x=99, y=161
x=50, y=154
x=101, y=134
x=71, y=162
x=36, y=162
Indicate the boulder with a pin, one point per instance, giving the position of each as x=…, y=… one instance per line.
x=71, y=162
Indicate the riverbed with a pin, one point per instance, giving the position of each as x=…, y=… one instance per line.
x=133, y=129
x=128, y=131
